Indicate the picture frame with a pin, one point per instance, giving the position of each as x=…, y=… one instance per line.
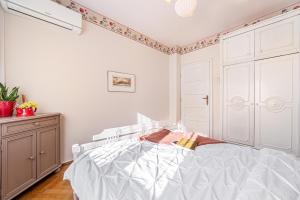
x=120, y=82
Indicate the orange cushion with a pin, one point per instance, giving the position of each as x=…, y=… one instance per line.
x=165, y=136
x=156, y=136
x=205, y=140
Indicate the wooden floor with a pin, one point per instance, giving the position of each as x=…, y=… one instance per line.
x=51, y=188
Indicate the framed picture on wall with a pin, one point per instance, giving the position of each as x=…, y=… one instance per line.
x=120, y=82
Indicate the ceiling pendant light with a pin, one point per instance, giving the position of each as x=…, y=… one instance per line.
x=185, y=8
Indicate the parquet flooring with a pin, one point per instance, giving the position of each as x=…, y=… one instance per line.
x=51, y=188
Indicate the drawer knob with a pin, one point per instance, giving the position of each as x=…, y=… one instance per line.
x=42, y=152
x=31, y=158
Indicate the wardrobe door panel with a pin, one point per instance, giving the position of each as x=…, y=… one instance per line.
x=278, y=39
x=238, y=104
x=276, y=110
x=239, y=48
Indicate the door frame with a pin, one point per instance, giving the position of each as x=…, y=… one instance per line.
x=211, y=86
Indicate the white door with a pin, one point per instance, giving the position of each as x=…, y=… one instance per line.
x=277, y=103
x=196, y=97
x=238, y=103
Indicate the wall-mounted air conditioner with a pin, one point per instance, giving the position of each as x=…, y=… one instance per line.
x=46, y=10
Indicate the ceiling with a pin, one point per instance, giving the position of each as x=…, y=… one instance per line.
x=158, y=20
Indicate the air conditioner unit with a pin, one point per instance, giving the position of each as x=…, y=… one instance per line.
x=46, y=10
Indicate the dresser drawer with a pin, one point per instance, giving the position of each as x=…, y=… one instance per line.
x=16, y=127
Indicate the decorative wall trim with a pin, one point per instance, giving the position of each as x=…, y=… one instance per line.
x=215, y=39
x=109, y=24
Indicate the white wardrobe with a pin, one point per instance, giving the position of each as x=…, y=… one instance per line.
x=260, y=84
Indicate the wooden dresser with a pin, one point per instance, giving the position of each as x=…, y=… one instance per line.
x=30, y=150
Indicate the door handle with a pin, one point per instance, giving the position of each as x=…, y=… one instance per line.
x=206, y=98
x=31, y=158
x=42, y=152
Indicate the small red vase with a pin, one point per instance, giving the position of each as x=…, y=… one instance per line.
x=25, y=112
x=7, y=108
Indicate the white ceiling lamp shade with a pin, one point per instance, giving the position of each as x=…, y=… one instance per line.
x=185, y=8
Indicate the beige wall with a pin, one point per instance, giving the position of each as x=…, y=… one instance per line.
x=174, y=88
x=212, y=53
x=66, y=73
x=1, y=45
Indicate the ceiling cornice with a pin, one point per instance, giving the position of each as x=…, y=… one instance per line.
x=116, y=27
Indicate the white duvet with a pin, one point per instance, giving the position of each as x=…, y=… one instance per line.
x=133, y=170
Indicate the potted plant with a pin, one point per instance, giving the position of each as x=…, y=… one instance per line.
x=7, y=100
x=26, y=109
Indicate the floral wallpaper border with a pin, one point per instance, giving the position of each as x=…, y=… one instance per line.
x=109, y=24
x=215, y=39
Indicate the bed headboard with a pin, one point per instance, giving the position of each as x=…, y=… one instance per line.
x=133, y=130
x=120, y=133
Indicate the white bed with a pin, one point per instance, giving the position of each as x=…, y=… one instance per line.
x=134, y=170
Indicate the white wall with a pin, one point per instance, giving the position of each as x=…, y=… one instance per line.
x=66, y=73
x=213, y=53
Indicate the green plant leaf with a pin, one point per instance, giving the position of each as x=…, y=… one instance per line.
x=1, y=91
x=13, y=94
x=5, y=95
